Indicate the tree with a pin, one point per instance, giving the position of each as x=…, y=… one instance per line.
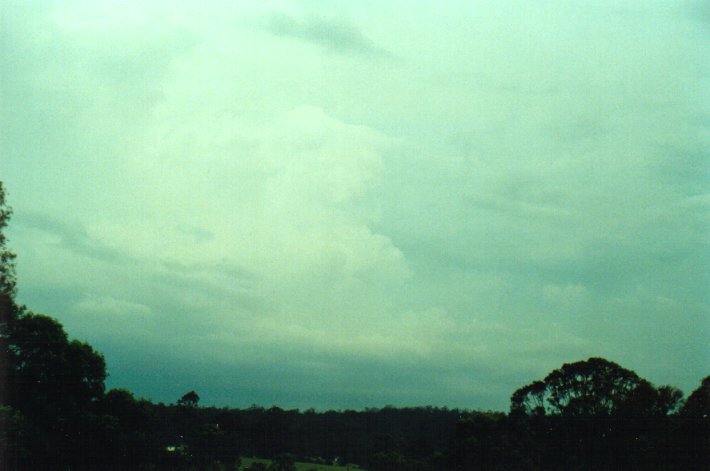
x=189, y=399
x=595, y=387
x=7, y=258
x=647, y=401
x=12, y=422
x=55, y=383
x=125, y=424
x=698, y=403
x=695, y=431
x=8, y=309
x=669, y=399
x=530, y=399
x=484, y=440
x=48, y=383
x=48, y=370
x=283, y=462
x=595, y=414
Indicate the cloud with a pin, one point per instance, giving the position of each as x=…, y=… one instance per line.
x=108, y=306
x=564, y=294
x=527, y=186
x=332, y=34
x=69, y=236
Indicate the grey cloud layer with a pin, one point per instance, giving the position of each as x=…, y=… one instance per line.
x=339, y=36
x=521, y=186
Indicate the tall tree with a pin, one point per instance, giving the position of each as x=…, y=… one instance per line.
x=698, y=403
x=695, y=430
x=8, y=311
x=594, y=387
x=11, y=420
x=48, y=385
x=7, y=258
x=55, y=383
x=189, y=399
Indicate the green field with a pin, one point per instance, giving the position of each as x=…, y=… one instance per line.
x=300, y=466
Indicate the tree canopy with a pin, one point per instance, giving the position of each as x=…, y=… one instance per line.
x=189, y=399
x=698, y=403
x=7, y=258
x=594, y=387
x=50, y=384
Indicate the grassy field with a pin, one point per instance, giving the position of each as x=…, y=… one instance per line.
x=246, y=462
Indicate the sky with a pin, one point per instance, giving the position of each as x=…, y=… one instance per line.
x=357, y=204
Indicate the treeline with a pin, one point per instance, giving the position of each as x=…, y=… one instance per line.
x=209, y=435
x=55, y=414
x=590, y=415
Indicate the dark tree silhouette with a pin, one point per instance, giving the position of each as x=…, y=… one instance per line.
x=7, y=258
x=694, y=433
x=698, y=403
x=595, y=387
x=530, y=399
x=11, y=420
x=283, y=462
x=189, y=399
x=49, y=384
x=595, y=414
x=125, y=426
x=55, y=384
x=8, y=309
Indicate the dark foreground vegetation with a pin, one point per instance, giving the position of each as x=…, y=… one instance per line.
x=590, y=415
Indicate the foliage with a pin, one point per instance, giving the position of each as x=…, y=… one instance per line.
x=8, y=308
x=283, y=462
x=189, y=399
x=698, y=403
x=55, y=383
x=593, y=388
x=7, y=258
x=595, y=414
x=694, y=433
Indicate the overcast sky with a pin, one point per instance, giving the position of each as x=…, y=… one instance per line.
x=348, y=204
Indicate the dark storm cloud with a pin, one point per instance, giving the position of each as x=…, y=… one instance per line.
x=305, y=379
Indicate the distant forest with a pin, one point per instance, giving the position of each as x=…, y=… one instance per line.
x=55, y=414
